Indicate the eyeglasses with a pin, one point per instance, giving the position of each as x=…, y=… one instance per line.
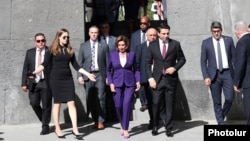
x=143, y=23
x=38, y=41
x=216, y=31
x=64, y=37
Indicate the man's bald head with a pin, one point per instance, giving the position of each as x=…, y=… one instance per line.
x=151, y=34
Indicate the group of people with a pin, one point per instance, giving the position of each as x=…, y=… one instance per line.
x=225, y=68
x=148, y=63
x=106, y=65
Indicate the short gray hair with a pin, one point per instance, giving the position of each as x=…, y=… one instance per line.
x=240, y=26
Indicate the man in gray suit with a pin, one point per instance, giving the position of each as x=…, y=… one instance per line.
x=217, y=55
x=92, y=57
x=242, y=63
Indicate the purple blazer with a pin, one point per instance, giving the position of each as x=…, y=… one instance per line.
x=118, y=75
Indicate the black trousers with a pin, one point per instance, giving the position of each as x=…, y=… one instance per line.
x=164, y=94
x=41, y=101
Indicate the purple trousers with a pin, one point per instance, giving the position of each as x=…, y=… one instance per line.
x=123, y=99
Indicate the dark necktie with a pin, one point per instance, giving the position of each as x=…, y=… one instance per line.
x=164, y=50
x=93, y=57
x=219, y=56
x=163, y=53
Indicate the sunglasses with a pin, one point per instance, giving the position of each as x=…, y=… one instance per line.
x=64, y=37
x=143, y=23
x=38, y=41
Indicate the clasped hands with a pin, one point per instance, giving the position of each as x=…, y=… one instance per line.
x=138, y=86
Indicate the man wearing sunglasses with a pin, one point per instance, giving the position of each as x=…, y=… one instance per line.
x=138, y=37
x=217, y=56
x=36, y=85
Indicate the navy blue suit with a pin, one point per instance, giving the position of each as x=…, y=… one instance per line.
x=145, y=93
x=135, y=40
x=242, y=70
x=220, y=80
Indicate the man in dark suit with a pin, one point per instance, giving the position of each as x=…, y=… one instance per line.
x=37, y=85
x=92, y=57
x=167, y=57
x=242, y=63
x=139, y=36
x=217, y=55
x=145, y=90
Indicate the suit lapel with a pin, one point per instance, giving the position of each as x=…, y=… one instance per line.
x=158, y=50
x=99, y=51
x=127, y=57
x=211, y=46
x=226, y=44
x=33, y=58
x=116, y=55
x=144, y=49
x=88, y=48
x=139, y=36
x=170, y=47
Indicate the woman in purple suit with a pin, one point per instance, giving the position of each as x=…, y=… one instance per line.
x=123, y=78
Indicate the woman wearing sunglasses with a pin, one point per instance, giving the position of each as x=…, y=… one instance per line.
x=61, y=80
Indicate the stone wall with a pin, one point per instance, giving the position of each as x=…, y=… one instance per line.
x=189, y=20
x=20, y=21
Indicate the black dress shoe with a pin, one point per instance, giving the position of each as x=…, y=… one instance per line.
x=78, y=136
x=45, y=131
x=169, y=133
x=150, y=126
x=155, y=131
x=143, y=108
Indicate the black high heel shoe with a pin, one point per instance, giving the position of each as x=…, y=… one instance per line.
x=77, y=136
x=60, y=137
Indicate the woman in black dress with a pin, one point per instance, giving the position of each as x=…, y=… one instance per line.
x=61, y=80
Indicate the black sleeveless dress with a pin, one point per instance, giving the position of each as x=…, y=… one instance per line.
x=60, y=79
